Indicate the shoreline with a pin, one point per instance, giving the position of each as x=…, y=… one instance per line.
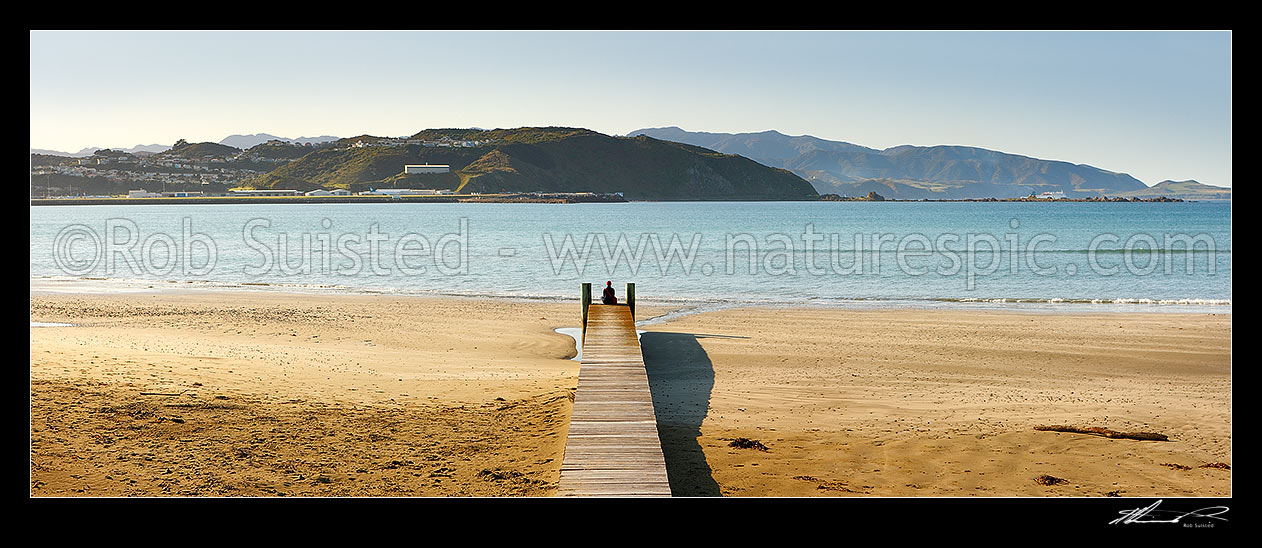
x=279, y=394
x=96, y=286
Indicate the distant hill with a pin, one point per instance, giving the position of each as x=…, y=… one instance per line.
x=771, y=146
x=1187, y=190
x=546, y=159
x=46, y=152
x=241, y=142
x=84, y=153
x=184, y=149
x=279, y=149
x=909, y=172
x=249, y=141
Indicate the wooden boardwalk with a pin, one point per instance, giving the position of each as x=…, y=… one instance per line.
x=612, y=449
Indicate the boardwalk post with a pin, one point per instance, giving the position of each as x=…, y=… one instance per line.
x=587, y=299
x=631, y=298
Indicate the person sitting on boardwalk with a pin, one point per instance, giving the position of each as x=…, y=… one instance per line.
x=609, y=297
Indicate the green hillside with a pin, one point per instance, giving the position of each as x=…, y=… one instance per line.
x=356, y=168
x=548, y=159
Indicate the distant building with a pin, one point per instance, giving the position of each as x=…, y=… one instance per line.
x=404, y=192
x=425, y=168
x=1057, y=195
x=142, y=194
x=336, y=192
x=263, y=193
x=181, y=194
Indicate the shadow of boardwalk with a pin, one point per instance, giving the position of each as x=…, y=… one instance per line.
x=680, y=379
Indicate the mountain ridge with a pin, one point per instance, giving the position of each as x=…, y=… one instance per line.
x=910, y=171
x=241, y=141
x=244, y=141
x=83, y=153
x=525, y=159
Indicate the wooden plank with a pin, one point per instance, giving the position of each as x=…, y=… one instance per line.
x=612, y=449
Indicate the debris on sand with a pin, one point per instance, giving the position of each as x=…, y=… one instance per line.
x=1096, y=430
x=746, y=443
x=834, y=486
x=493, y=475
x=825, y=485
x=1174, y=466
x=1218, y=465
x=512, y=476
x=1049, y=480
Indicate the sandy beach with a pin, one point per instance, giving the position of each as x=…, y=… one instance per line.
x=222, y=393
x=905, y=403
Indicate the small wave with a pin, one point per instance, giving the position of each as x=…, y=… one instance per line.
x=1137, y=251
x=1059, y=300
x=1189, y=302
x=683, y=304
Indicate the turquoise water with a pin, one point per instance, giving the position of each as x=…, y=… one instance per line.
x=1168, y=256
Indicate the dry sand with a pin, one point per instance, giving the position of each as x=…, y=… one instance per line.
x=322, y=395
x=942, y=403
x=298, y=395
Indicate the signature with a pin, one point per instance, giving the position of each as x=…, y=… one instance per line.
x=1150, y=513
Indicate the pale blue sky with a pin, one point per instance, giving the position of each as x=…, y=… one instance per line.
x=1156, y=105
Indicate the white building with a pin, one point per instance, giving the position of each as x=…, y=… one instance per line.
x=336, y=192
x=142, y=194
x=425, y=168
x=1057, y=195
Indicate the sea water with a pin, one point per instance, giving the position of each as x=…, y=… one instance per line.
x=1060, y=256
